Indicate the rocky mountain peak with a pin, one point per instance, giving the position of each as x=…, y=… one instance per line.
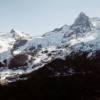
x=12, y=31
x=82, y=19
x=82, y=24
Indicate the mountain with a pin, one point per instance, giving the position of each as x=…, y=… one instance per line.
x=7, y=41
x=82, y=24
x=62, y=63
x=22, y=54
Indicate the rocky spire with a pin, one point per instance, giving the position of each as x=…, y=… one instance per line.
x=82, y=24
x=12, y=31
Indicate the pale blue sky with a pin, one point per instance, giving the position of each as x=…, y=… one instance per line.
x=40, y=16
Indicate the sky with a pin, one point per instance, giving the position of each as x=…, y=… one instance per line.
x=40, y=16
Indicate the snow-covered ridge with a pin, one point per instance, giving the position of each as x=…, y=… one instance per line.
x=82, y=35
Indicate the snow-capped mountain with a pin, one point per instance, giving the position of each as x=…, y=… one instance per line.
x=21, y=53
x=7, y=41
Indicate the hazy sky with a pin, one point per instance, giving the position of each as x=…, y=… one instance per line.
x=40, y=16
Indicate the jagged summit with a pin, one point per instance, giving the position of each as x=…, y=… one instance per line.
x=12, y=30
x=82, y=24
x=83, y=14
x=14, y=33
x=81, y=19
x=17, y=34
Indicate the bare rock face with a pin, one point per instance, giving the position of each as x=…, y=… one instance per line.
x=82, y=24
x=18, y=61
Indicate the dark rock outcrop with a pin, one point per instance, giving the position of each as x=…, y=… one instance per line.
x=82, y=24
x=18, y=61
